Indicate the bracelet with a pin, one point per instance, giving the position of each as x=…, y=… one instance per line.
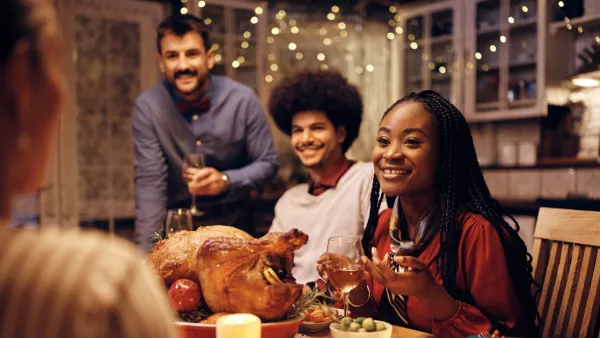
x=363, y=304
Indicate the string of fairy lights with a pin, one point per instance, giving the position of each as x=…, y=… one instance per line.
x=560, y=5
x=283, y=24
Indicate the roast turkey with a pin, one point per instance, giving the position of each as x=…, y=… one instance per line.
x=236, y=272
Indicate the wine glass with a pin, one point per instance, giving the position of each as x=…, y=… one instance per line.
x=196, y=161
x=344, y=266
x=178, y=220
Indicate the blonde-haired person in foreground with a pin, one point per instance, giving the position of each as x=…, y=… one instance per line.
x=53, y=283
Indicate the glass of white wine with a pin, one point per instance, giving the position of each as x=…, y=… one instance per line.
x=178, y=220
x=196, y=161
x=344, y=266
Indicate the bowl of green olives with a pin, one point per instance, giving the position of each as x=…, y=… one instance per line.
x=360, y=327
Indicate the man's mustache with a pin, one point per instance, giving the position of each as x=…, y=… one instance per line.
x=185, y=72
x=311, y=145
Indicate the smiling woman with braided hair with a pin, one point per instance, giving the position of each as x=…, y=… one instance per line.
x=444, y=259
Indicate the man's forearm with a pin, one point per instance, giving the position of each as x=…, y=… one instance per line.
x=252, y=176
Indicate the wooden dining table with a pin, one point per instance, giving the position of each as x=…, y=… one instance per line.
x=397, y=332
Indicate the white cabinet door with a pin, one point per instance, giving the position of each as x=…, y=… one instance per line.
x=505, y=58
x=110, y=57
x=431, y=50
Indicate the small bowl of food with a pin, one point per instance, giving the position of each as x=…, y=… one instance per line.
x=360, y=328
x=318, y=318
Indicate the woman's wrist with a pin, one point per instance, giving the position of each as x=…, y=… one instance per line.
x=439, y=303
x=360, y=295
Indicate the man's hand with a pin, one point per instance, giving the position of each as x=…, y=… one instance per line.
x=205, y=181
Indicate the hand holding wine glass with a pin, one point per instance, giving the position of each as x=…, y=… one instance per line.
x=343, y=265
x=192, y=161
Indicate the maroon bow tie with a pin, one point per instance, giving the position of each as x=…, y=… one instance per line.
x=202, y=104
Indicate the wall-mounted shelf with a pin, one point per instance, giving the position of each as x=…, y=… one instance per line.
x=584, y=22
x=552, y=163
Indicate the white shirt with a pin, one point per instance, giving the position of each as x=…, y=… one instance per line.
x=339, y=211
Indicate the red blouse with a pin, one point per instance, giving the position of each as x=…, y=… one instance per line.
x=481, y=270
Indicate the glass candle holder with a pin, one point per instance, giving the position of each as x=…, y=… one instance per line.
x=239, y=325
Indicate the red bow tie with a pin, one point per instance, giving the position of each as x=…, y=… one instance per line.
x=202, y=104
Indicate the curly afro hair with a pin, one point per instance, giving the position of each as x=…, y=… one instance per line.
x=326, y=91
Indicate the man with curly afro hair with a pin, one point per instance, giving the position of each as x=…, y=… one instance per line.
x=321, y=112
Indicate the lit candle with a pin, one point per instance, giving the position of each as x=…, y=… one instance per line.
x=239, y=325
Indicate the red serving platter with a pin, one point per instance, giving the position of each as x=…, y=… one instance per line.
x=283, y=329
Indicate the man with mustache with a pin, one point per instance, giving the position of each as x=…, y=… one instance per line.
x=193, y=112
x=322, y=113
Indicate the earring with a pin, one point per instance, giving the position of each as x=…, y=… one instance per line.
x=23, y=142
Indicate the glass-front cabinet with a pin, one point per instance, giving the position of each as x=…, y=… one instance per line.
x=430, y=50
x=505, y=54
x=237, y=31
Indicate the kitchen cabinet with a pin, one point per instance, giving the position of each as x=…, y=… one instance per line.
x=486, y=56
x=430, y=42
x=237, y=30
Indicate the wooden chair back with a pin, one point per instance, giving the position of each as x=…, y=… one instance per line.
x=566, y=263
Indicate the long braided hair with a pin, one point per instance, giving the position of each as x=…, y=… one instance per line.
x=462, y=185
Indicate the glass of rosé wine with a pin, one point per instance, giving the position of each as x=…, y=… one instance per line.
x=343, y=265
